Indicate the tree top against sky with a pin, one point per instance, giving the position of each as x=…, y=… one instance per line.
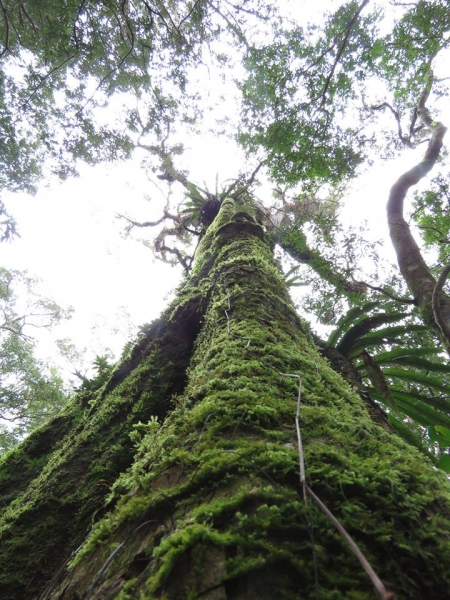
x=309, y=95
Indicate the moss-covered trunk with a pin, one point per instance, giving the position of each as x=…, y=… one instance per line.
x=204, y=501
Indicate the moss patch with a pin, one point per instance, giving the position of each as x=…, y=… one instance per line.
x=208, y=502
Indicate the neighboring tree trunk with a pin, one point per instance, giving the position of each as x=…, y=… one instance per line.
x=207, y=503
x=433, y=303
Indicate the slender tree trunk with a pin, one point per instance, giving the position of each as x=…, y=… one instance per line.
x=432, y=301
x=206, y=501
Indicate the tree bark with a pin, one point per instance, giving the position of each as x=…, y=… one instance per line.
x=413, y=268
x=206, y=502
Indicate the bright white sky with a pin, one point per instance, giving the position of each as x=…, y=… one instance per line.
x=72, y=241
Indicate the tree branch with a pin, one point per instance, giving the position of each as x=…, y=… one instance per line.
x=413, y=268
x=436, y=301
x=5, y=18
x=348, y=30
x=405, y=140
x=388, y=294
x=442, y=239
x=146, y=223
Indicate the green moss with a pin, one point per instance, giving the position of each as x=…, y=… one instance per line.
x=58, y=479
x=209, y=492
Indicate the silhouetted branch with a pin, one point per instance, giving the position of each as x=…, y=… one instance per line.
x=405, y=140
x=341, y=50
x=147, y=223
x=389, y=294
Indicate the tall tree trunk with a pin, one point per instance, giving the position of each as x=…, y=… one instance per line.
x=206, y=501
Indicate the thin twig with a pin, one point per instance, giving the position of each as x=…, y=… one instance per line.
x=405, y=140
x=194, y=6
x=376, y=581
x=145, y=223
x=388, y=294
x=301, y=458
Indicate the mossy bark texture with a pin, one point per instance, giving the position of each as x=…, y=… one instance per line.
x=180, y=479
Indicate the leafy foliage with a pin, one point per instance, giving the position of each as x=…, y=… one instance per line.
x=411, y=382
x=62, y=64
x=431, y=215
x=30, y=391
x=291, y=101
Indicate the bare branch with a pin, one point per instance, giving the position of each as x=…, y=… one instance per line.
x=185, y=262
x=243, y=188
x=388, y=294
x=405, y=140
x=145, y=223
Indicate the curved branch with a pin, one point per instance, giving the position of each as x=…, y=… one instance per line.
x=404, y=140
x=185, y=261
x=413, y=268
x=436, y=301
x=145, y=223
x=388, y=294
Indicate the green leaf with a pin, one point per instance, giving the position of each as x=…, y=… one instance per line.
x=444, y=463
x=347, y=320
x=436, y=437
x=389, y=335
x=444, y=432
x=418, y=410
x=364, y=326
x=440, y=403
x=420, y=378
x=412, y=357
x=408, y=435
